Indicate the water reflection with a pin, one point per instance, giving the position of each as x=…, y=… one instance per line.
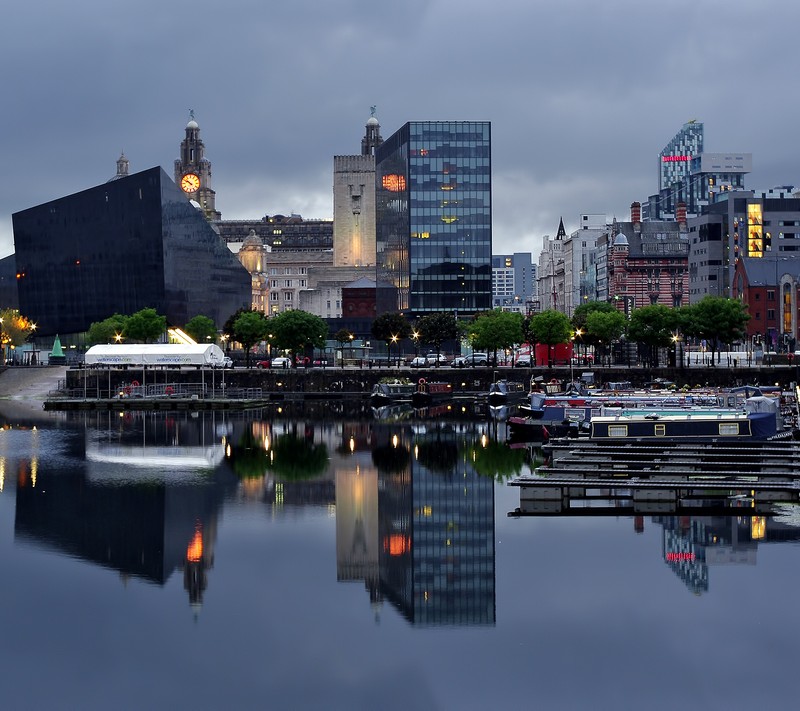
x=143, y=493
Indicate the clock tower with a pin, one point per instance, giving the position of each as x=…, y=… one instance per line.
x=193, y=171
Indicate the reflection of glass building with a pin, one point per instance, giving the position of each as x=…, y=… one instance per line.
x=434, y=218
x=133, y=243
x=436, y=521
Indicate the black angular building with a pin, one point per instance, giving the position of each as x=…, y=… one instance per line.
x=132, y=243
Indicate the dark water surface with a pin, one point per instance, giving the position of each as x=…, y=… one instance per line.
x=169, y=561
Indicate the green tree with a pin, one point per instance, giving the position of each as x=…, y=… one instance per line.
x=495, y=330
x=145, y=326
x=716, y=319
x=550, y=328
x=580, y=319
x=435, y=329
x=108, y=330
x=295, y=331
x=604, y=327
x=653, y=326
x=249, y=328
x=202, y=329
x=391, y=328
x=227, y=328
x=342, y=337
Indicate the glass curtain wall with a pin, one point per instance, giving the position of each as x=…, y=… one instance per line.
x=434, y=230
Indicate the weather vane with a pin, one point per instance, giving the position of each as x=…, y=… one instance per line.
x=191, y=114
x=372, y=110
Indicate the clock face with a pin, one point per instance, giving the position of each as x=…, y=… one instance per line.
x=190, y=183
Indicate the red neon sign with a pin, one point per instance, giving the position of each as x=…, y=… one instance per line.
x=680, y=556
x=674, y=159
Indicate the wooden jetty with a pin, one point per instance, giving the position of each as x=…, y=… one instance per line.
x=668, y=477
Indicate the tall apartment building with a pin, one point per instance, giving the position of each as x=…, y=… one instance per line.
x=434, y=218
x=741, y=224
x=580, y=254
x=513, y=281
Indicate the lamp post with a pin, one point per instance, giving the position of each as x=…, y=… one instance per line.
x=2, y=344
x=351, y=337
x=394, y=340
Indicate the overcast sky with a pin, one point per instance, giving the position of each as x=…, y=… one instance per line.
x=581, y=95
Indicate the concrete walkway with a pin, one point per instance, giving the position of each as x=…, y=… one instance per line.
x=23, y=389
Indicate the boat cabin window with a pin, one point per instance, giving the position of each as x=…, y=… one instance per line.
x=729, y=428
x=661, y=430
x=618, y=430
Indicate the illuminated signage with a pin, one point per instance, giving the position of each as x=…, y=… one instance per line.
x=394, y=183
x=673, y=557
x=675, y=159
x=755, y=235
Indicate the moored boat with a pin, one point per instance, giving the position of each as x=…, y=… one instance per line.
x=391, y=391
x=430, y=392
x=506, y=392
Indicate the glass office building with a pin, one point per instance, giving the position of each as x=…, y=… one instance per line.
x=129, y=244
x=434, y=218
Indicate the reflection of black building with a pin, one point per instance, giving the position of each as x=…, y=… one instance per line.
x=138, y=517
x=436, y=523
x=133, y=243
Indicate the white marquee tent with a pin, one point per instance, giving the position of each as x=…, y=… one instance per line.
x=147, y=354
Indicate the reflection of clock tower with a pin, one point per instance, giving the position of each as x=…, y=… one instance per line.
x=193, y=171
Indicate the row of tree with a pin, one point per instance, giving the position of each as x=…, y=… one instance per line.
x=715, y=320
x=291, y=331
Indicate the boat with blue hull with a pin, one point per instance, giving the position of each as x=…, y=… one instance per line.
x=572, y=413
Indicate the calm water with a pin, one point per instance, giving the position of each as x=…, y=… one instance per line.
x=288, y=561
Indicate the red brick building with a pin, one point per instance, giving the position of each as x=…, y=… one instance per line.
x=768, y=287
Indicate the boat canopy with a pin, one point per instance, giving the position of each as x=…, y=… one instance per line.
x=139, y=354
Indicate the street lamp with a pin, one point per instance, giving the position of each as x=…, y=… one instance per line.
x=394, y=340
x=415, y=336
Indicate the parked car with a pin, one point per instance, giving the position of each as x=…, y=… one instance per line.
x=263, y=364
x=433, y=359
x=281, y=362
x=524, y=361
x=419, y=362
x=472, y=359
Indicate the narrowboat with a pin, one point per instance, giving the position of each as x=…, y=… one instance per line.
x=427, y=393
x=391, y=391
x=506, y=392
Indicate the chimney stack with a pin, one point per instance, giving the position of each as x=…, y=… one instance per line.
x=636, y=216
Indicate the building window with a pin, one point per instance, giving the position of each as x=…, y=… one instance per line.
x=287, y=270
x=273, y=271
x=288, y=283
x=303, y=282
x=274, y=283
x=274, y=296
x=287, y=295
x=770, y=294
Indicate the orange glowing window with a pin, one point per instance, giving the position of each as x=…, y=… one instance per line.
x=397, y=544
x=194, y=553
x=394, y=183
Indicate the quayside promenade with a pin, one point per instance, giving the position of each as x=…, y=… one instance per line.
x=60, y=387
